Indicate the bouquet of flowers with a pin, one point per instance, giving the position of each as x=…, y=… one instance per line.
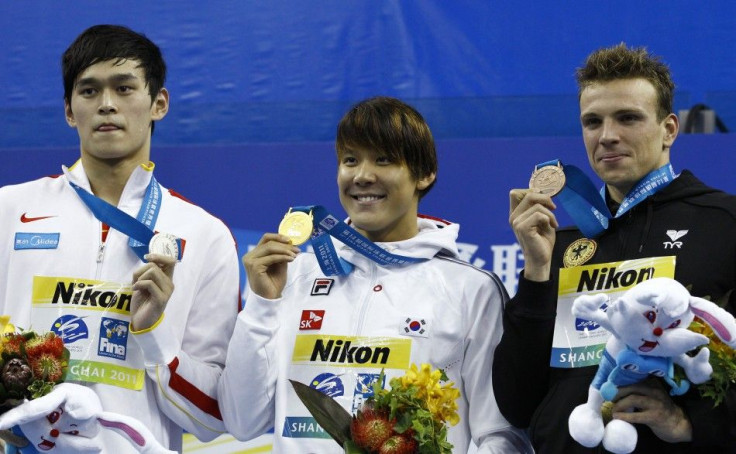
x=722, y=359
x=412, y=416
x=31, y=364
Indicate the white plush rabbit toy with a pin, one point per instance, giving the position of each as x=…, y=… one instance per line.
x=648, y=326
x=70, y=419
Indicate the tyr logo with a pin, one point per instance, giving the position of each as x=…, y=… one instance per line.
x=674, y=236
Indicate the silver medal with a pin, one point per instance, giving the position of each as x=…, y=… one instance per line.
x=164, y=244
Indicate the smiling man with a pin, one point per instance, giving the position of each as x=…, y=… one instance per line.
x=628, y=129
x=402, y=297
x=74, y=243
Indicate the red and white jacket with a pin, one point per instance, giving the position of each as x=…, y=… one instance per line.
x=184, y=354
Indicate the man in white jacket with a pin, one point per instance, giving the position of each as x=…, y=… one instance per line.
x=68, y=269
x=337, y=332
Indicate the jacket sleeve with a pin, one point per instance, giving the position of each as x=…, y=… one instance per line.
x=521, y=365
x=247, y=387
x=185, y=373
x=490, y=431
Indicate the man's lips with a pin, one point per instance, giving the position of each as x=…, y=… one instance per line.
x=107, y=127
x=367, y=198
x=611, y=157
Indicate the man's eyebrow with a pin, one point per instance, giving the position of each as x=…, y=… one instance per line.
x=116, y=78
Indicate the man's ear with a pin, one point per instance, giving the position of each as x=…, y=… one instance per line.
x=160, y=106
x=424, y=182
x=671, y=128
x=69, y=115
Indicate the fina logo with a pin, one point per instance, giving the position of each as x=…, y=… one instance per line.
x=582, y=325
x=70, y=328
x=329, y=384
x=364, y=388
x=113, y=338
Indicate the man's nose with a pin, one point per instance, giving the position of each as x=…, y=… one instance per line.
x=364, y=173
x=107, y=103
x=609, y=132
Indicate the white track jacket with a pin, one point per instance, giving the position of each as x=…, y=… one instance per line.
x=337, y=333
x=184, y=353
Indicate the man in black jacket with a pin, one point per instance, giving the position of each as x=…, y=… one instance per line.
x=628, y=128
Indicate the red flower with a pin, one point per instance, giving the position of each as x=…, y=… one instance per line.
x=371, y=428
x=49, y=344
x=399, y=444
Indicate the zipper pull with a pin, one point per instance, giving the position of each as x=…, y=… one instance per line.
x=100, y=252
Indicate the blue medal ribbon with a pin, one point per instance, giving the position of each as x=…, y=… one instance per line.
x=139, y=230
x=326, y=225
x=587, y=206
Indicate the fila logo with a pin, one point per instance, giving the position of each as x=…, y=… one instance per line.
x=674, y=236
x=322, y=286
x=311, y=320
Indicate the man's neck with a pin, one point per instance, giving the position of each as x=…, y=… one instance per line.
x=617, y=194
x=107, y=178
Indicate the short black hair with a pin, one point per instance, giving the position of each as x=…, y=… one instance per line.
x=113, y=42
x=393, y=127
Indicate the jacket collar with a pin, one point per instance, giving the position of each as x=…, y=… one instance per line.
x=135, y=187
x=434, y=237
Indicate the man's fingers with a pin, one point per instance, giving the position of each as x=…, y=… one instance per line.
x=164, y=262
x=154, y=292
x=270, y=252
x=268, y=237
x=515, y=198
x=153, y=276
x=536, y=215
x=268, y=260
x=521, y=200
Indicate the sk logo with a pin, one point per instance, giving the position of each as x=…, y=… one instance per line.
x=311, y=320
x=674, y=236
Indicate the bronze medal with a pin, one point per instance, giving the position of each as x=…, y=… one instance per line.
x=579, y=252
x=297, y=225
x=547, y=180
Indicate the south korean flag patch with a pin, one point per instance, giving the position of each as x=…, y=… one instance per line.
x=414, y=327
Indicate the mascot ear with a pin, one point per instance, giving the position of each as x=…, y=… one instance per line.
x=135, y=432
x=720, y=320
x=80, y=402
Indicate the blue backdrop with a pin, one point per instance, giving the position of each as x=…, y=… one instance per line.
x=247, y=71
x=258, y=87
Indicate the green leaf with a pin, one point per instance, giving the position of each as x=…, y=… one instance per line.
x=334, y=419
x=352, y=448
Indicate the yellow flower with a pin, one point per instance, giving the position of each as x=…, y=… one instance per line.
x=5, y=327
x=716, y=345
x=440, y=399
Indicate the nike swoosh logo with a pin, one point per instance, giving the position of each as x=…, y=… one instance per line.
x=25, y=218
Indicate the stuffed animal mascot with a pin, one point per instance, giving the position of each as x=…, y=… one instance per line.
x=70, y=420
x=649, y=334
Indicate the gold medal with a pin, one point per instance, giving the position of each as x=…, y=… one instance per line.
x=297, y=225
x=579, y=252
x=547, y=180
